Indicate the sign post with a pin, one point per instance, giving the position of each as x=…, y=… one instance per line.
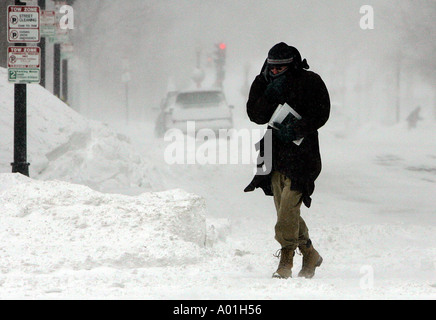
x=23, y=67
x=61, y=36
x=45, y=21
x=67, y=50
x=125, y=77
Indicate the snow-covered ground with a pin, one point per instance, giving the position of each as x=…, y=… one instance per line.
x=64, y=145
x=103, y=216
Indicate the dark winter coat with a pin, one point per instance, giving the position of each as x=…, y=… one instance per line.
x=308, y=95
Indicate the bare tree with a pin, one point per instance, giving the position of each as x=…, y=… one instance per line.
x=107, y=32
x=413, y=26
x=418, y=35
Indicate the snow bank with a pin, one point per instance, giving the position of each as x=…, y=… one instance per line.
x=66, y=146
x=50, y=225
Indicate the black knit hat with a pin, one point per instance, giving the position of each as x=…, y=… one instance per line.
x=282, y=54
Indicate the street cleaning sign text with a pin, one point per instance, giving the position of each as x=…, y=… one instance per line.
x=23, y=24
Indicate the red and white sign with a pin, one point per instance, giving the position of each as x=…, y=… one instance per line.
x=48, y=23
x=24, y=57
x=48, y=18
x=23, y=24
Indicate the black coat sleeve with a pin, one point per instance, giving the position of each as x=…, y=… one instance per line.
x=258, y=108
x=316, y=104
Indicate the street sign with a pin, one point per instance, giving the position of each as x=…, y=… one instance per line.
x=24, y=57
x=26, y=76
x=23, y=24
x=24, y=64
x=67, y=51
x=62, y=36
x=48, y=23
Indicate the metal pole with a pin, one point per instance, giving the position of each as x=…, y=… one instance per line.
x=65, y=80
x=57, y=70
x=43, y=63
x=398, y=72
x=20, y=164
x=42, y=45
x=127, y=102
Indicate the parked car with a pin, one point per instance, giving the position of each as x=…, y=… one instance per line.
x=159, y=128
x=208, y=108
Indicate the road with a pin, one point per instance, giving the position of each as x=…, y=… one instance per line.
x=373, y=219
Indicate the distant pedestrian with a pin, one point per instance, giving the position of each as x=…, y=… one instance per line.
x=413, y=118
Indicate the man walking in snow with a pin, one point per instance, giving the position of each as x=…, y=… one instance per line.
x=284, y=79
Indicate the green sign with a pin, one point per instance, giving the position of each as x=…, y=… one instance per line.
x=23, y=75
x=48, y=31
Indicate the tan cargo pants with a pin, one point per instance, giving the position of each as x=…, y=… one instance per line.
x=290, y=230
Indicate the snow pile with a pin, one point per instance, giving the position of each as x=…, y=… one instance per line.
x=101, y=159
x=64, y=145
x=47, y=226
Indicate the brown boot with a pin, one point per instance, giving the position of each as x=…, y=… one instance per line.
x=311, y=260
x=284, y=270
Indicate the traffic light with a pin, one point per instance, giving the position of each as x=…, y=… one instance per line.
x=220, y=54
x=220, y=61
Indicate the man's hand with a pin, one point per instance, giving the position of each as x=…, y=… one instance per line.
x=285, y=132
x=275, y=91
x=257, y=181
